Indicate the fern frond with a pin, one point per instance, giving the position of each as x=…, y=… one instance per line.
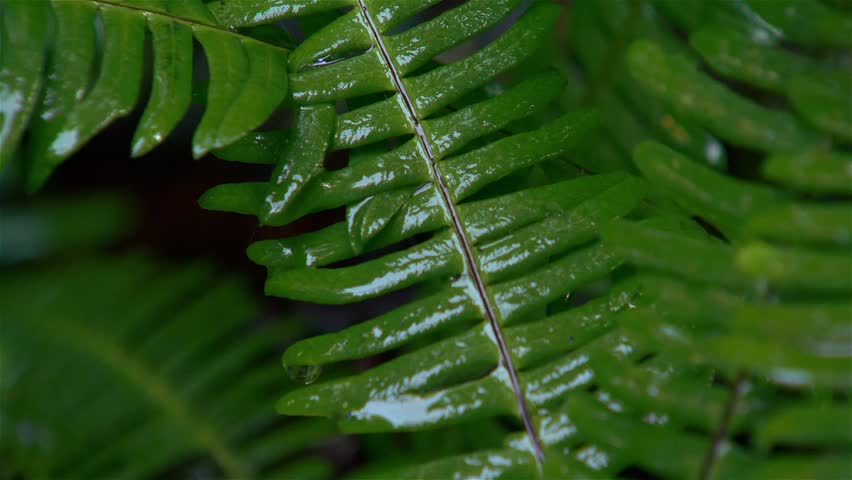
x=747, y=48
x=64, y=84
x=93, y=389
x=528, y=259
x=599, y=35
x=52, y=225
x=448, y=148
x=672, y=385
x=764, y=312
x=711, y=336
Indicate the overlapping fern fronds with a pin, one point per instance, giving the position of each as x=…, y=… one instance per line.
x=691, y=323
x=762, y=308
x=592, y=355
x=734, y=361
x=62, y=83
x=424, y=143
x=94, y=389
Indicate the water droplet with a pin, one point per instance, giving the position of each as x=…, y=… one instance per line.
x=633, y=299
x=328, y=60
x=336, y=57
x=304, y=374
x=460, y=280
x=761, y=287
x=423, y=188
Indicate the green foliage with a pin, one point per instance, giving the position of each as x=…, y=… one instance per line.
x=94, y=389
x=50, y=226
x=488, y=243
x=765, y=312
x=55, y=81
x=682, y=312
x=733, y=361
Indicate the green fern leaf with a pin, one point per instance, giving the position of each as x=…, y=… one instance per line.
x=765, y=310
x=64, y=103
x=52, y=226
x=599, y=376
x=611, y=86
x=456, y=180
x=421, y=187
x=94, y=390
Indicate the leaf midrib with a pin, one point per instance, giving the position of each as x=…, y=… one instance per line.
x=714, y=452
x=466, y=249
x=186, y=21
x=159, y=392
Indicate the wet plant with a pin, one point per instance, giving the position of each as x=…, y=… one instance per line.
x=627, y=222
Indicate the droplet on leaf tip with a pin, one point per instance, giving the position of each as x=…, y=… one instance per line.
x=304, y=374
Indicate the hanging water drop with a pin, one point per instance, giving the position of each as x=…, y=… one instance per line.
x=304, y=374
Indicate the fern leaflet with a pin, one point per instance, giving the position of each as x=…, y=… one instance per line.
x=49, y=85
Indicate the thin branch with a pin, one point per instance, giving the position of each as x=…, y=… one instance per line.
x=737, y=390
